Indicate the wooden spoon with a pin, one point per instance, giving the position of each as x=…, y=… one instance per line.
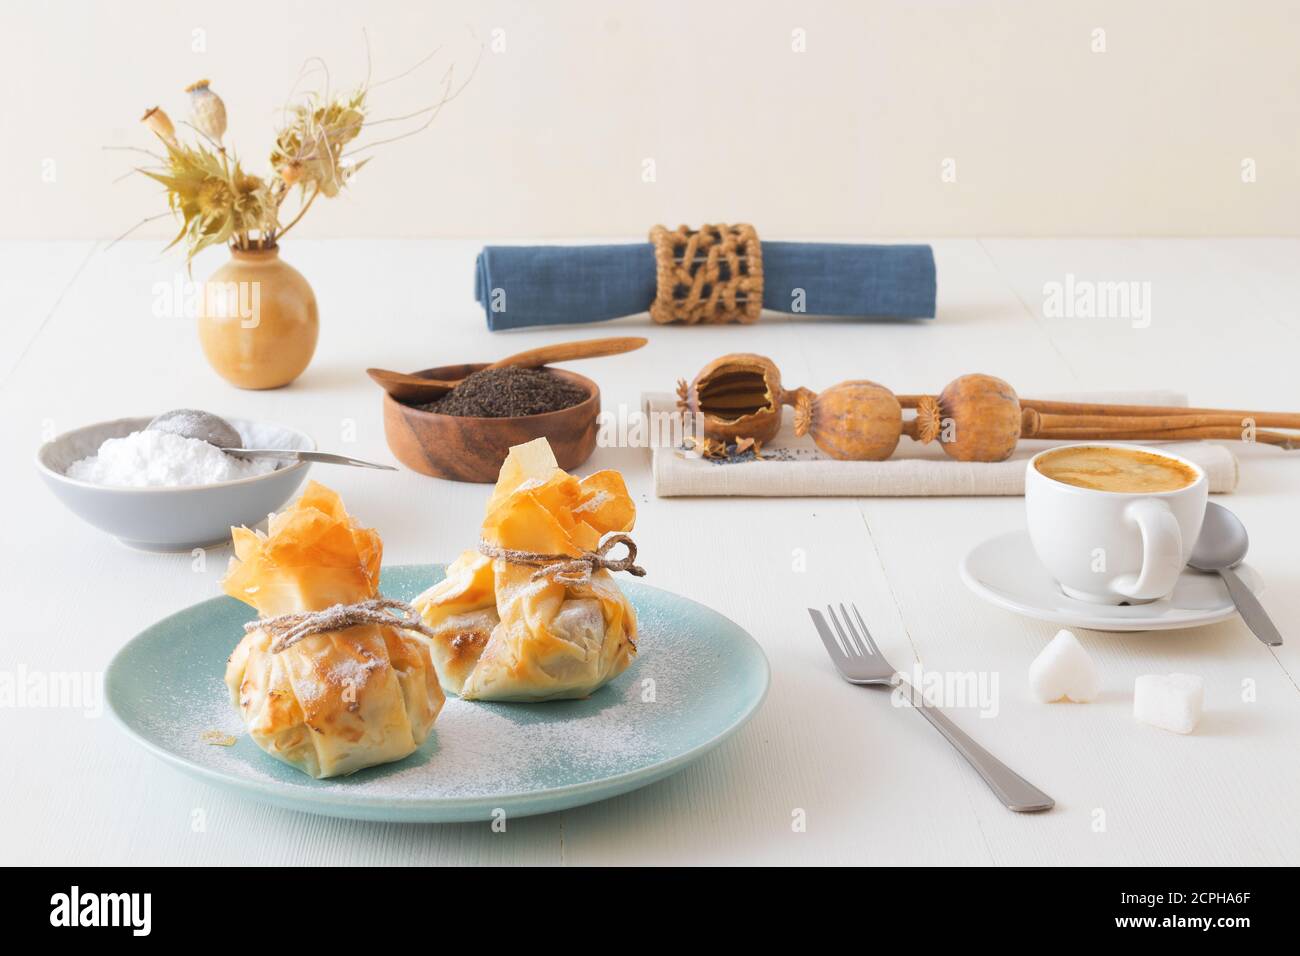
x=415, y=390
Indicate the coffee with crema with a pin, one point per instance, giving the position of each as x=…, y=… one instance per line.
x=1107, y=468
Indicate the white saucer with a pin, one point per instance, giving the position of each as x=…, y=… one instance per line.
x=1005, y=571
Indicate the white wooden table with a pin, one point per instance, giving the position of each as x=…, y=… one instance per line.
x=80, y=343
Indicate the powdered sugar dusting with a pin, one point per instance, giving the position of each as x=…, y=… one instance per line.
x=482, y=749
x=676, y=696
x=593, y=503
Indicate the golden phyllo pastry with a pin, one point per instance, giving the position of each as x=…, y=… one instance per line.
x=335, y=701
x=504, y=630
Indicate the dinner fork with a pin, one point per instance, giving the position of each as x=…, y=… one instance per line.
x=855, y=655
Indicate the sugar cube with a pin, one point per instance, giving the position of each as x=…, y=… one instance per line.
x=1064, y=671
x=1171, y=702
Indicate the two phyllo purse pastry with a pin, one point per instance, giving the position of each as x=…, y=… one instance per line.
x=333, y=677
x=533, y=612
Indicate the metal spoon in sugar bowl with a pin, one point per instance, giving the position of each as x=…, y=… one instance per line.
x=216, y=431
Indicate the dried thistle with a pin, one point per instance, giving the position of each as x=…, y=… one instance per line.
x=217, y=202
x=309, y=150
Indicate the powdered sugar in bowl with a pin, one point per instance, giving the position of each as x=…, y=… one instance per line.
x=152, y=503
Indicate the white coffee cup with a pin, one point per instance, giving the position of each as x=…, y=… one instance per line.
x=1114, y=547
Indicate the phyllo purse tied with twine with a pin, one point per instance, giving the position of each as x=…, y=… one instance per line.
x=332, y=677
x=533, y=612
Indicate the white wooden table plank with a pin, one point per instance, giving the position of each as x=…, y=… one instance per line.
x=1225, y=328
x=819, y=746
x=1165, y=797
x=100, y=799
x=34, y=276
x=876, y=784
x=1208, y=335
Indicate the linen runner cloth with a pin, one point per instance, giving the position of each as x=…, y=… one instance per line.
x=798, y=469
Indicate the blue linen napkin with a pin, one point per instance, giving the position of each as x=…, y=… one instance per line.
x=520, y=286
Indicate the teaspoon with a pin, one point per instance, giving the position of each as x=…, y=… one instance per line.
x=1221, y=546
x=215, y=430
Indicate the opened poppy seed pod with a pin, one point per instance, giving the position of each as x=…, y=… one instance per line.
x=852, y=421
x=737, y=396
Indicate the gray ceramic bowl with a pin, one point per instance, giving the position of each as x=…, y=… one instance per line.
x=166, y=519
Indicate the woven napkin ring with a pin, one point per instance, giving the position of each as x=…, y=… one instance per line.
x=713, y=274
x=288, y=629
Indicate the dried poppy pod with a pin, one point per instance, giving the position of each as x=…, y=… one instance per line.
x=738, y=396
x=209, y=110
x=976, y=418
x=157, y=120
x=853, y=421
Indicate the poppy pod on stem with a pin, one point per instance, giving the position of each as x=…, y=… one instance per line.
x=976, y=418
x=853, y=421
x=160, y=124
x=209, y=110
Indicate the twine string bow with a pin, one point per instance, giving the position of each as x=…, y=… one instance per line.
x=288, y=629
x=566, y=568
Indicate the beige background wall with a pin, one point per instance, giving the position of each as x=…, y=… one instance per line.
x=851, y=136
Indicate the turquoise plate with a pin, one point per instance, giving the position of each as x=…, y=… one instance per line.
x=697, y=678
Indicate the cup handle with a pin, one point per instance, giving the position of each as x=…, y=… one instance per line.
x=1162, y=551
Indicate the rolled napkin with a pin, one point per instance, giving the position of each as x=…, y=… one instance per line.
x=795, y=468
x=520, y=286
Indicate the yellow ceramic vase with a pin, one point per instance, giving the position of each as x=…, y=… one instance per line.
x=258, y=320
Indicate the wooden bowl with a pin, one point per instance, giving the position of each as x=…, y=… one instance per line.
x=473, y=449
